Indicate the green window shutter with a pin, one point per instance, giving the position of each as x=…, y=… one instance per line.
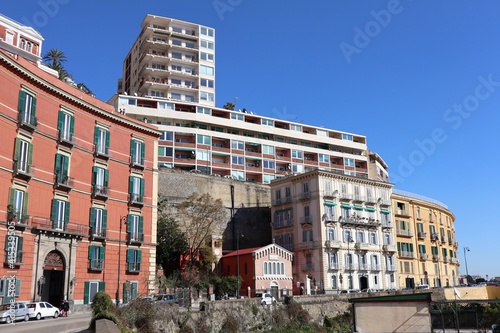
x=86, y=292
x=92, y=217
x=101, y=253
x=129, y=254
x=107, y=139
x=21, y=101
x=94, y=175
x=25, y=203
x=126, y=285
x=12, y=191
x=66, y=212
x=6, y=247
x=65, y=161
x=58, y=165
x=19, y=245
x=106, y=177
x=143, y=151
x=33, y=106
x=161, y=151
x=17, y=149
x=55, y=203
x=132, y=147
x=91, y=251
x=129, y=222
x=96, y=135
x=30, y=154
x=72, y=125
x=133, y=290
x=141, y=225
x=142, y=188
x=102, y=286
x=105, y=219
x=130, y=184
x=60, y=120
x=399, y=246
x=139, y=256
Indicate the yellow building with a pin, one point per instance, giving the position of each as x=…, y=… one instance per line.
x=426, y=243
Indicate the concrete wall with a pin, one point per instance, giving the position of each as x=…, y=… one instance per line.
x=472, y=293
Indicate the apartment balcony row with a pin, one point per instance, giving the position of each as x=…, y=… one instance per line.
x=306, y=220
x=356, y=221
x=59, y=228
x=402, y=212
x=406, y=254
x=309, y=245
x=355, y=267
x=168, y=31
x=389, y=248
x=281, y=201
x=404, y=232
x=282, y=223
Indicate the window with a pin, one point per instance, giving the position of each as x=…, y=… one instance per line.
x=307, y=236
x=239, y=160
x=205, y=96
x=62, y=169
x=98, y=222
x=207, y=83
x=18, y=203
x=237, y=116
x=23, y=152
x=207, y=31
x=134, y=258
x=346, y=137
x=90, y=289
x=333, y=260
x=237, y=144
x=267, y=122
x=100, y=178
x=60, y=214
x=101, y=140
x=334, y=282
x=207, y=70
x=269, y=164
x=239, y=175
x=203, y=110
x=135, y=228
x=349, y=161
x=323, y=158
x=137, y=151
x=130, y=290
x=294, y=127
x=165, y=151
x=297, y=153
x=331, y=234
x=7, y=291
x=96, y=257
x=207, y=56
x=268, y=179
x=27, y=109
x=136, y=189
x=373, y=237
x=206, y=44
x=13, y=250
x=203, y=139
x=66, y=126
x=268, y=150
x=321, y=132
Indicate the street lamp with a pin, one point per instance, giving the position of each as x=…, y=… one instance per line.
x=239, y=235
x=466, y=249
x=123, y=220
x=349, y=240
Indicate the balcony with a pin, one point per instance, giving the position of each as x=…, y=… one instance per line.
x=306, y=220
x=402, y=212
x=406, y=254
x=386, y=224
x=137, y=162
x=63, y=182
x=423, y=256
x=435, y=257
x=389, y=248
x=349, y=267
x=18, y=222
x=455, y=261
x=308, y=245
x=22, y=169
x=13, y=259
x=371, y=200
x=66, y=138
x=391, y=268
x=46, y=226
x=26, y=121
x=133, y=267
x=135, y=238
x=404, y=232
x=332, y=244
x=358, y=198
x=100, y=191
x=375, y=267
x=277, y=223
x=384, y=202
x=96, y=265
x=444, y=239
x=277, y=202
x=361, y=246
x=334, y=266
x=422, y=235
x=287, y=199
x=136, y=199
x=364, y=267
x=434, y=237
x=345, y=196
x=304, y=195
x=101, y=151
x=330, y=194
x=329, y=218
x=357, y=221
x=97, y=233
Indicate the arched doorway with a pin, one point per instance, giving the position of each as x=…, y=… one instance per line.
x=53, y=276
x=363, y=282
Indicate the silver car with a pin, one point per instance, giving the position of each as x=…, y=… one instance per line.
x=16, y=311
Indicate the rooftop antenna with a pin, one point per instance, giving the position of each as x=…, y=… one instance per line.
x=235, y=100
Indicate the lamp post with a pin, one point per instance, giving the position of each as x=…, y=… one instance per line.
x=239, y=235
x=466, y=249
x=123, y=220
x=349, y=240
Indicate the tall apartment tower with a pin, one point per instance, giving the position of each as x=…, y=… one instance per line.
x=171, y=59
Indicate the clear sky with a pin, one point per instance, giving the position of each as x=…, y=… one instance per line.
x=420, y=79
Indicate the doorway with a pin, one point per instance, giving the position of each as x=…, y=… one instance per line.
x=54, y=269
x=363, y=282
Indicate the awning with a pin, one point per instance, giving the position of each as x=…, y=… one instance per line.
x=346, y=206
x=328, y=203
x=253, y=158
x=385, y=211
x=369, y=209
x=253, y=144
x=185, y=148
x=358, y=207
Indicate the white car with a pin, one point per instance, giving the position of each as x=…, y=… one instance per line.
x=16, y=311
x=41, y=310
x=265, y=298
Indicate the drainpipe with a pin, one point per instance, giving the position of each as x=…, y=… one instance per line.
x=36, y=269
x=69, y=270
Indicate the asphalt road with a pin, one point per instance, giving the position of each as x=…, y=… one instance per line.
x=72, y=323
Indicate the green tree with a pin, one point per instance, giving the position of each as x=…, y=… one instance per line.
x=172, y=243
x=229, y=106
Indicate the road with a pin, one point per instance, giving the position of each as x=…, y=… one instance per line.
x=72, y=323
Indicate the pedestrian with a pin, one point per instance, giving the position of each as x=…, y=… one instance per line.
x=65, y=308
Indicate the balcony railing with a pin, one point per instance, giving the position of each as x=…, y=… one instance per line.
x=101, y=150
x=422, y=235
x=304, y=195
x=137, y=161
x=391, y=268
x=22, y=167
x=277, y=223
x=332, y=244
x=98, y=233
x=434, y=237
x=306, y=220
x=361, y=246
x=435, y=257
x=364, y=267
x=63, y=181
x=19, y=220
x=59, y=228
x=334, y=266
x=404, y=232
x=66, y=137
x=96, y=265
x=330, y=194
x=277, y=201
x=375, y=267
x=406, y=254
x=136, y=198
x=134, y=237
x=329, y=218
x=134, y=266
x=100, y=191
x=287, y=199
x=345, y=196
x=389, y=248
x=423, y=256
x=26, y=120
x=359, y=198
x=14, y=258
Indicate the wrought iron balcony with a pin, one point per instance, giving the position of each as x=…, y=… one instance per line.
x=134, y=237
x=25, y=120
x=136, y=199
x=59, y=228
x=100, y=191
x=63, y=182
x=422, y=235
x=96, y=264
x=101, y=151
x=134, y=267
x=306, y=220
x=66, y=137
x=22, y=168
x=137, y=161
x=97, y=233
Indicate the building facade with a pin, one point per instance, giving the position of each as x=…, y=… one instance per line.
x=339, y=228
x=78, y=198
x=426, y=242
x=171, y=59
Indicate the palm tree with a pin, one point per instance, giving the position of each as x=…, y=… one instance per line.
x=229, y=106
x=54, y=59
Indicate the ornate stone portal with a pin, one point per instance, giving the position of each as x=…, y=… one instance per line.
x=54, y=261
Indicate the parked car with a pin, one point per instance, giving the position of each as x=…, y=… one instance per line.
x=422, y=286
x=370, y=290
x=350, y=291
x=265, y=298
x=16, y=311
x=41, y=310
x=165, y=299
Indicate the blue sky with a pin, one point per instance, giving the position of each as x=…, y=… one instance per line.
x=421, y=79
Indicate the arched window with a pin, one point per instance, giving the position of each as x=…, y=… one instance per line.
x=265, y=267
x=282, y=269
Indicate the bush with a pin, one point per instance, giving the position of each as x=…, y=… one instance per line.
x=111, y=316
x=101, y=303
x=231, y=324
x=140, y=314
